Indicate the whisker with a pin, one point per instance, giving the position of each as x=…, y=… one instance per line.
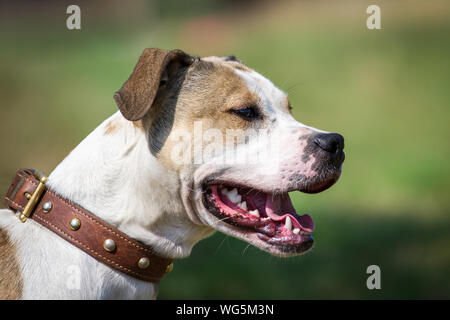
x=215, y=222
x=245, y=249
x=288, y=90
x=220, y=244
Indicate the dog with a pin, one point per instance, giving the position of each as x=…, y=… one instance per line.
x=127, y=173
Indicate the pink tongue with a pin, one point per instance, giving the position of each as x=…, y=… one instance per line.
x=282, y=203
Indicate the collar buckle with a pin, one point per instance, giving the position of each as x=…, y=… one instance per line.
x=34, y=198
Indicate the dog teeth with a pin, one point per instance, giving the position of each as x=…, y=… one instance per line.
x=243, y=205
x=296, y=231
x=254, y=212
x=288, y=223
x=234, y=198
x=233, y=195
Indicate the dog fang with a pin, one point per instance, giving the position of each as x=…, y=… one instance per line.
x=288, y=223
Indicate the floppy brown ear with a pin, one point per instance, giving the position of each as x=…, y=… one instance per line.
x=137, y=94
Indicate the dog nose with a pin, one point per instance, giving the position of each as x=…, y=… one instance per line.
x=333, y=145
x=330, y=142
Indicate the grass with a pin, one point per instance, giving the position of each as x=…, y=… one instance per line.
x=385, y=91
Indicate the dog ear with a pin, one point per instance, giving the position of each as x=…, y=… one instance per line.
x=138, y=93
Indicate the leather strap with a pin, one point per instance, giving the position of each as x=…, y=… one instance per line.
x=128, y=255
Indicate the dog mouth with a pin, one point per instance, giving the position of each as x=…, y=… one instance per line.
x=267, y=217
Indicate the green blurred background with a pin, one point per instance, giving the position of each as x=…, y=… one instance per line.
x=387, y=91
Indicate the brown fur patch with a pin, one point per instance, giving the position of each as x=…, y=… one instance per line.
x=209, y=91
x=241, y=67
x=138, y=124
x=234, y=63
x=112, y=126
x=288, y=104
x=10, y=278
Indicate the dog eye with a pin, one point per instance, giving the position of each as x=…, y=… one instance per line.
x=249, y=113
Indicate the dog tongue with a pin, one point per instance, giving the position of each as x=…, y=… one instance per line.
x=276, y=204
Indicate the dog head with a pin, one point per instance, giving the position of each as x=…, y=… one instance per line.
x=228, y=134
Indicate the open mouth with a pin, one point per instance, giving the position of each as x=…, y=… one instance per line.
x=270, y=217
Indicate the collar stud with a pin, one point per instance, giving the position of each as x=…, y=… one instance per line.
x=109, y=245
x=75, y=224
x=144, y=263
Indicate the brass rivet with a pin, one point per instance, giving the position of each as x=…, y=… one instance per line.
x=169, y=268
x=27, y=195
x=47, y=206
x=75, y=224
x=109, y=245
x=144, y=263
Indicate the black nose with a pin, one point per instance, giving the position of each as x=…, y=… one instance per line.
x=333, y=144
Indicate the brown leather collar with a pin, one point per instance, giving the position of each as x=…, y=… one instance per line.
x=29, y=195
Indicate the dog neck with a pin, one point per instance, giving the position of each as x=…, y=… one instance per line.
x=113, y=174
